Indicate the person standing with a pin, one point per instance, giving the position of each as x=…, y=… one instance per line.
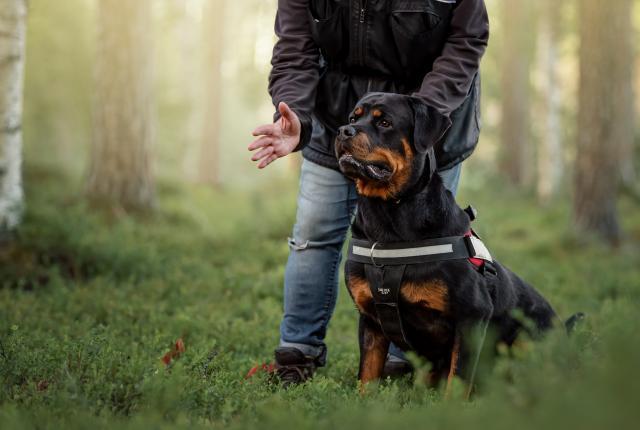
x=328, y=55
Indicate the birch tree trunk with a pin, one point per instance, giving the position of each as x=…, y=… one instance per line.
x=550, y=156
x=120, y=167
x=605, y=120
x=209, y=160
x=516, y=161
x=13, y=16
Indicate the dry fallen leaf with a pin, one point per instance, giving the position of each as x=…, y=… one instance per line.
x=176, y=351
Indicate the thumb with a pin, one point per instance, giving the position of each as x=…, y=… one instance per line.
x=286, y=111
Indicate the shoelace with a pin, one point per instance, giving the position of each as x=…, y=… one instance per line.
x=295, y=373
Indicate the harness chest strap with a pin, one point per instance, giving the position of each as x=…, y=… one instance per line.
x=401, y=253
x=384, y=283
x=385, y=265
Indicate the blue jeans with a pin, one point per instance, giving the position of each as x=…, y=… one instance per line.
x=326, y=204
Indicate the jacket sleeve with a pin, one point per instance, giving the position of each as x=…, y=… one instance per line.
x=447, y=85
x=295, y=64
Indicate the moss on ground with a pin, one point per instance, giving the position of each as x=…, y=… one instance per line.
x=90, y=303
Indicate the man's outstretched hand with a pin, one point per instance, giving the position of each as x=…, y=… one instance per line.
x=278, y=139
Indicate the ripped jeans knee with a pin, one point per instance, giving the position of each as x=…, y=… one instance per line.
x=297, y=245
x=331, y=242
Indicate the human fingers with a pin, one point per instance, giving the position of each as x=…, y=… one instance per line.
x=260, y=142
x=266, y=161
x=264, y=152
x=264, y=130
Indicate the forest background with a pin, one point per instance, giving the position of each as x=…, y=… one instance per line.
x=143, y=223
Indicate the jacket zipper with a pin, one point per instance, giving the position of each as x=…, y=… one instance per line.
x=361, y=31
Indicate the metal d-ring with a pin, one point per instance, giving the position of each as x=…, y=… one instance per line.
x=371, y=256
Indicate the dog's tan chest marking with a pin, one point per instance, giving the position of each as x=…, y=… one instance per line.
x=433, y=295
x=361, y=293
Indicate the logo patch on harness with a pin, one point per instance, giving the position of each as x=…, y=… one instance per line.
x=384, y=291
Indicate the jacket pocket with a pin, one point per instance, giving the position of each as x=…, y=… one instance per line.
x=419, y=29
x=328, y=20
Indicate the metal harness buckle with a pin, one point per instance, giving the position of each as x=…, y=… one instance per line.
x=373, y=261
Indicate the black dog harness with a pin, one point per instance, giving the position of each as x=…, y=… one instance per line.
x=385, y=265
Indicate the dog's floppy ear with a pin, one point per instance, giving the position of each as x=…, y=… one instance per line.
x=429, y=125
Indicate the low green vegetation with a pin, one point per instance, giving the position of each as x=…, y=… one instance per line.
x=89, y=304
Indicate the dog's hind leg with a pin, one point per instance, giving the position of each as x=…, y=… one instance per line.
x=373, y=351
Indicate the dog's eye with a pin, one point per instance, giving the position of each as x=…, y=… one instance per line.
x=352, y=119
x=384, y=123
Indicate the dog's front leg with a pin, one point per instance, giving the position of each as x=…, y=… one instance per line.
x=471, y=337
x=373, y=351
x=453, y=363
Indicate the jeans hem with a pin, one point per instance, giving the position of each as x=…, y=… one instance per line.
x=308, y=350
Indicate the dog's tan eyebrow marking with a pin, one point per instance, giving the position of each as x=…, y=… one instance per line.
x=377, y=113
x=359, y=111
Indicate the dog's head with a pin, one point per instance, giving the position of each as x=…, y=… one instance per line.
x=384, y=147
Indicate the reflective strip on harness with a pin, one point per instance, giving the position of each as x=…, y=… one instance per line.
x=432, y=250
x=403, y=253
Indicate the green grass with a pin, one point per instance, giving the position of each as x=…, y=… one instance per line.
x=90, y=303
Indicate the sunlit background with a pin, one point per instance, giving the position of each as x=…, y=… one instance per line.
x=92, y=300
x=59, y=78
x=61, y=48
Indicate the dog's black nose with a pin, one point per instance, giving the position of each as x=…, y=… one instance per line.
x=346, y=131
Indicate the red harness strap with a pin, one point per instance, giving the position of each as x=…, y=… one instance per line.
x=478, y=262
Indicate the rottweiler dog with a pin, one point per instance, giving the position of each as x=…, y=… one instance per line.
x=445, y=306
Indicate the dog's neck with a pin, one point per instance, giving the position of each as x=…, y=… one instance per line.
x=427, y=210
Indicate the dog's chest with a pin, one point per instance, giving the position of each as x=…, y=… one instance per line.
x=430, y=295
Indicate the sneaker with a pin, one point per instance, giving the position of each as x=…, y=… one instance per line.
x=396, y=369
x=293, y=367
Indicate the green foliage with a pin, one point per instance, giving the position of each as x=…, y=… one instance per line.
x=90, y=303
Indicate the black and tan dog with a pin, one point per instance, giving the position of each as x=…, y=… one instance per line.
x=384, y=150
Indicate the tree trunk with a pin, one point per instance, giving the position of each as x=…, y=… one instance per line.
x=604, y=119
x=516, y=153
x=13, y=16
x=188, y=33
x=550, y=156
x=209, y=160
x=628, y=172
x=120, y=169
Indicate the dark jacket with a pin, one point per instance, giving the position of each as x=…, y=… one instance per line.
x=330, y=53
